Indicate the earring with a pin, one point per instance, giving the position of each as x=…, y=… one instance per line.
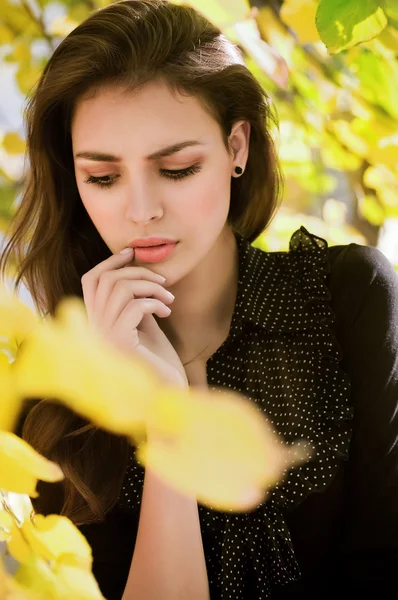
x=238, y=170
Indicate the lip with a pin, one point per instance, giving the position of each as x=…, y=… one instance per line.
x=154, y=254
x=151, y=241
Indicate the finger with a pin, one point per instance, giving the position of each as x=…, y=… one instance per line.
x=90, y=280
x=109, y=308
x=125, y=329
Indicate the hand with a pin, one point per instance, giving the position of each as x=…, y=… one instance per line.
x=120, y=302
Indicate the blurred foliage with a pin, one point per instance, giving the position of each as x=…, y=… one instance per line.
x=330, y=68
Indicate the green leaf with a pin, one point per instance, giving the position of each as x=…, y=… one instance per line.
x=345, y=23
x=378, y=80
x=391, y=8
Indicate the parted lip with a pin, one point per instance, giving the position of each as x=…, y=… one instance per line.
x=151, y=241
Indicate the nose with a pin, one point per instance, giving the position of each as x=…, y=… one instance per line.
x=141, y=205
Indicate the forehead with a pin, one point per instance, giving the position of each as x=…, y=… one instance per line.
x=152, y=109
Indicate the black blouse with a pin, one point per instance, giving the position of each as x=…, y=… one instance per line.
x=314, y=343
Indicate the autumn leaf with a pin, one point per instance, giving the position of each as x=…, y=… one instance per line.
x=345, y=23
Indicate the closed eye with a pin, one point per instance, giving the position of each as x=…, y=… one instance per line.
x=107, y=181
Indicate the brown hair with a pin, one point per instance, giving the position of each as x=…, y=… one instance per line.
x=51, y=236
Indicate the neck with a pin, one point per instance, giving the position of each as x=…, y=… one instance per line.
x=204, y=299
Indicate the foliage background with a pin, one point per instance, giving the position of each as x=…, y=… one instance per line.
x=336, y=100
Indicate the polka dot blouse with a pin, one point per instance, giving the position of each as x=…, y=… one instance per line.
x=281, y=354
x=313, y=343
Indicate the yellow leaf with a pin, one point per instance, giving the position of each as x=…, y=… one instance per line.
x=21, y=466
x=267, y=58
x=11, y=590
x=386, y=152
x=371, y=210
x=21, y=52
x=77, y=583
x=212, y=435
x=17, y=545
x=6, y=34
x=98, y=382
x=53, y=536
x=125, y=396
x=27, y=76
x=79, y=12
x=10, y=400
x=16, y=318
x=389, y=38
x=222, y=13
x=56, y=581
x=299, y=15
x=5, y=526
x=379, y=176
x=353, y=142
x=13, y=144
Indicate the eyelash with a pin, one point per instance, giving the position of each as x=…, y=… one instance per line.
x=177, y=175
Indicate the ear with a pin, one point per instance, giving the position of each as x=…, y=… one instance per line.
x=239, y=139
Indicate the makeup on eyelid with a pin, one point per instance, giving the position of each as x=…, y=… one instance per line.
x=175, y=174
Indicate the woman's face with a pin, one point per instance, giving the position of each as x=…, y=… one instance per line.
x=129, y=194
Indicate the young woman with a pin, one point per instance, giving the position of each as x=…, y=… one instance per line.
x=147, y=125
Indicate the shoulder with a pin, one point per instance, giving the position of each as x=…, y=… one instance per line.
x=362, y=274
x=365, y=264
x=352, y=270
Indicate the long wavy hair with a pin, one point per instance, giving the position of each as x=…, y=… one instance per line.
x=53, y=241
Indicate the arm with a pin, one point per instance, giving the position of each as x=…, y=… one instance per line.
x=365, y=296
x=168, y=561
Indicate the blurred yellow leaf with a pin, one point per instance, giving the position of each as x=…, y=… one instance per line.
x=353, y=142
x=89, y=374
x=13, y=144
x=123, y=395
x=21, y=466
x=10, y=401
x=266, y=57
x=299, y=15
x=27, y=76
x=389, y=38
x=6, y=34
x=57, y=581
x=5, y=525
x=64, y=24
x=222, y=13
x=391, y=8
x=385, y=152
x=52, y=541
x=379, y=176
x=273, y=32
x=11, y=590
x=21, y=52
x=336, y=157
x=371, y=210
x=54, y=537
x=204, y=445
x=17, y=20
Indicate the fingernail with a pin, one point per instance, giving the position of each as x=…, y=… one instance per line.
x=127, y=251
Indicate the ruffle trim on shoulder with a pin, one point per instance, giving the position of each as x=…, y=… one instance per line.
x=302, y=276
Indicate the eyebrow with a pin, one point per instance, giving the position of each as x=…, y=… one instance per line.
x=167, y=151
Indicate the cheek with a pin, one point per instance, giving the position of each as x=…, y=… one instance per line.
x=98, y=210
x=210, y=197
